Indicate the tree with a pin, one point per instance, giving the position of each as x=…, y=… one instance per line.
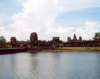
x=2, y=39
x=57, y=45
x=61, y=45
x=35, y=47
x=21, y=45
x=96, y=36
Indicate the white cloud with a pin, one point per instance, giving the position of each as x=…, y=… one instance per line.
x=89, y=31
x=39, y=16
x=5, y=33
x=70, y=5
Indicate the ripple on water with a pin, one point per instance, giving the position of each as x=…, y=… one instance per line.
x=48, y=65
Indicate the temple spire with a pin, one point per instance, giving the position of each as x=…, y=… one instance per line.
x=74, y=38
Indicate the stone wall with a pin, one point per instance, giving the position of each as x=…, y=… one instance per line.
x=82, y=43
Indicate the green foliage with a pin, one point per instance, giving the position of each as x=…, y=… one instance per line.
x=81, y=48
x=59, y=45
x=2, y=39
x=21, y=45
x=96, y=36
x=35, y=47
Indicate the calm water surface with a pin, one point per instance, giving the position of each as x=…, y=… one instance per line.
x=48, y=65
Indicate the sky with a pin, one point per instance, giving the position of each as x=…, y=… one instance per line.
x=49, y=18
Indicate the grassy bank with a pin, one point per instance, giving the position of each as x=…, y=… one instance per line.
x=80, y=48
x=62, y=49
x=65, y=49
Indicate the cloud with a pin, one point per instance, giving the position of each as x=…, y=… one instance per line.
x=70, y=5
x=39, y=16
x=89, y=30
x=5, y=33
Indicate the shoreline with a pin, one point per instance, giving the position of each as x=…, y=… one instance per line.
x=18, y=50
x=63, y=50
x=12, y=50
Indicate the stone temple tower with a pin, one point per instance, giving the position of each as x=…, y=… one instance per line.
x=74, y=38
x=68, y=39
x=13, y=40
x=33, y=36
x=80, y=38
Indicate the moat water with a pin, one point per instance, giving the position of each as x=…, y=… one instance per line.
x=49, y=65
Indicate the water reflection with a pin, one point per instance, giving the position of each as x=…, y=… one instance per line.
x=48, y=65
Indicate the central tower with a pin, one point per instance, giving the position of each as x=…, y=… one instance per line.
x=33, y=36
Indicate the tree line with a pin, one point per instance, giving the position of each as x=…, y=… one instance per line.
x=2, y=39
x=96, y=36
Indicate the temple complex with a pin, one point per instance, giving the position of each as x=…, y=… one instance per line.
x=34, y=42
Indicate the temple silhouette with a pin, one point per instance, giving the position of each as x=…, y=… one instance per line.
x=34, y=42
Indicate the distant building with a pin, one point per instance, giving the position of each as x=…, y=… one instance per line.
x=74, y=38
